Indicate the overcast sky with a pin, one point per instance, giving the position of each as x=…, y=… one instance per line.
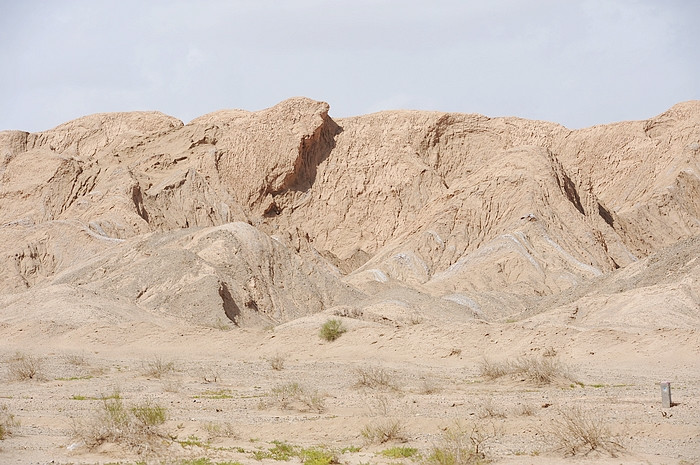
x=578, y=63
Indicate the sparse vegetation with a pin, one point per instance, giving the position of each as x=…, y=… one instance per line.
x=539, y=370
x=318, y=456
x=215, y=394
x=137, y=427
x=399, y=452
x=375, y=378
x=220, y=430
x=293, y=395
x=157, y=368
x=576, y=432
x=282, y=451
x=489, y=410
x=384, y=431
x=7, y=422
x=277, y=361
x=23, y=367
x=461, y=445
x=332, y=330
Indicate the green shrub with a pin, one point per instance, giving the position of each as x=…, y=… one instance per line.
x=332, y=330
x=399, y=452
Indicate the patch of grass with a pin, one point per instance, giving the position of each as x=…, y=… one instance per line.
x=575, y=431
x=205, y=461
x=7, y=422
x=192, y=440
x=157, y=368
x=318, y=456
x=399, y=452
x=295, y=396
x=539, y=370
x=384, y=431
x=461, y=445
x=215, y=394
x=351, y=449
x=331, y=330
x=23, y=367
x=149, y=415
x=282, y=451
x=375, y=378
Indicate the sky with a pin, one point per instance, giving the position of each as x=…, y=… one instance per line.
x=575, y=62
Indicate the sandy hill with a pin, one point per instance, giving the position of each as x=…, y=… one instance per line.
x=262, y=217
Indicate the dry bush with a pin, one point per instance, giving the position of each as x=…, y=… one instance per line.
x=277, y=361
x=157, y=368
x=375, y=378
x=7, y=422
x=493, y=370
x=384, y=431
x=75, y=360
x=220, y=430
x=576, y=432
x=462, y=445
x=537, y=369
x=24, y=367
x=295, y=396
x=489, y=409
x=525, y=410
x=137, y=426
x=378, y=405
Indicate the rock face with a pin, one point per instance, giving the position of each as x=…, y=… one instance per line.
x=262, y=217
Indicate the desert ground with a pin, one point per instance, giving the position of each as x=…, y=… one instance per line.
x=402, y=287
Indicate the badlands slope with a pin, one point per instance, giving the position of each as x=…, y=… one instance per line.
x=446, y=237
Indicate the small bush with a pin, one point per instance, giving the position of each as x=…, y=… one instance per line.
x=113, y=422
x=157, y=368
x=461, y=445
x=220, y=430
x=490, y=410
x=384, y=431
x=277, y=362
x=332, y=330
x=24, y=367
x=574, y=431
x=293, y=395
x=7, y=422
x=374, y=378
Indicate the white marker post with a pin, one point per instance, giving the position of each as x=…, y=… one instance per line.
x=666, y=395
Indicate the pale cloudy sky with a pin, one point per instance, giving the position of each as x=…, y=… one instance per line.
x=575, y=62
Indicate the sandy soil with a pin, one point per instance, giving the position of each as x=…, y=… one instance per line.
x=217, y=386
